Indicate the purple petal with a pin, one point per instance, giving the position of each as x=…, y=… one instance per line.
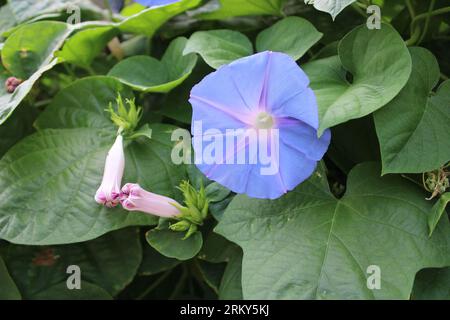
x=152, y=3
x=303, y=138
x=269, y=93
x=288, y=92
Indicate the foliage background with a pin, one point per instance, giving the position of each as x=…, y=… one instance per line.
x=385, y=94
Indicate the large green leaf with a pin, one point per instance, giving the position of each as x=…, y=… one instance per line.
x=47, y=187
x=236, y=8
x=219, y=47
x=292, y=35
x=31, y=47
x=413, y=129
x=61, y=167
x=150, y=75
x=82, y=48
x=83, y=104
x=110, y=262
x=333, y=7
x=379, y=64
x=10, y=101
x=8, y=289
x=309, y=244
x=27, y=54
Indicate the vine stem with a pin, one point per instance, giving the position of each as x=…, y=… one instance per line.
x=358, y=9
x=411, y=11
x=427, y=21
x=415, y=31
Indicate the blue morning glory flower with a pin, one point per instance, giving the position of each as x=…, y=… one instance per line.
x=255, y=126
x=153, y=3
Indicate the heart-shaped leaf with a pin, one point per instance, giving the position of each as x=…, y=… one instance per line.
x=292, y=35
x=413, y=128
x=379, y=65
x=308, y=244
x=219, y=47
x=147, y=74
x=82, y=48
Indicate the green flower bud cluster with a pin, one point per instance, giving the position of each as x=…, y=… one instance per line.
x=436, y=182
x=194, y=211
x=125, y=118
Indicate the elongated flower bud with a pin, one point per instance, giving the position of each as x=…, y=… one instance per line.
x=134, y=198
x=109, y=192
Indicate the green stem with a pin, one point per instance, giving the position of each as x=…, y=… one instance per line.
x=444, y=76
x=415, y=30
x=362, y=5
x=358, y=9
x=155, y=284
x=427, y=21
x=411, y=11
x=69, y=70
x=414, y=37
x=90, y=70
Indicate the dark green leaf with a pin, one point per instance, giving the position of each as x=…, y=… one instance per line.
x=109, y=262
x=309, y=245
x=380, y=65
x=413, y=128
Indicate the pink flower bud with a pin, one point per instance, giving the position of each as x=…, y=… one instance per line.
x=134, y=198
x=109, y=192
x=12, y=83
